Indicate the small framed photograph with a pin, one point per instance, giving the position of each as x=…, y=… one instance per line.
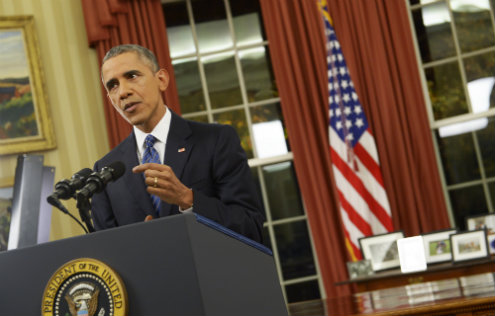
x=469, y=245
x=437, y=245
x=359, y=268
x=381, y=250
x=486, y=221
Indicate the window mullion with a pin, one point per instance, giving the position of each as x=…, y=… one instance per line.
x=441, y=172
x=424, y=83
x=271, y=232
x=459, y=58
x=479, y=158
x=202, y=75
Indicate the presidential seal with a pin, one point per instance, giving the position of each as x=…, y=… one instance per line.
x=84, y=287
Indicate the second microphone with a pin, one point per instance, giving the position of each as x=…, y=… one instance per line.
x=97, y=181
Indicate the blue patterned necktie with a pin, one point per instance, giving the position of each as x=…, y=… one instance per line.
x=151, y=155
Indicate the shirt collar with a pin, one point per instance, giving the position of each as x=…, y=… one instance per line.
x=160, y=132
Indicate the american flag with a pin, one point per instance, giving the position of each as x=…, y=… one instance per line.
x=363, y=202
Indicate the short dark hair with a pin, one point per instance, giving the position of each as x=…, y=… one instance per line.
x=142, y=52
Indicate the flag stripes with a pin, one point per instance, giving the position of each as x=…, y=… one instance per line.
x=363, y=201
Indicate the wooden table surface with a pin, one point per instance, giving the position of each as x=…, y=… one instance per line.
x=469, y=295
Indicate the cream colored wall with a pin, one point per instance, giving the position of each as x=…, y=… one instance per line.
x=74, y=95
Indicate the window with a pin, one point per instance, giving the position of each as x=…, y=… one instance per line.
x=222, y=66
x=456, y=50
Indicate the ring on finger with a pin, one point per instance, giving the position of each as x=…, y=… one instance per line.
x=155, y=181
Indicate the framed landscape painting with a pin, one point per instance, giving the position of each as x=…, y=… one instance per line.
x=25, y=125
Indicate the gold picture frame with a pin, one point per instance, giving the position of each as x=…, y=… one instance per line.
x=25, y=125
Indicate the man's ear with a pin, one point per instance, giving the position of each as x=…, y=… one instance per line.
x=163, y=77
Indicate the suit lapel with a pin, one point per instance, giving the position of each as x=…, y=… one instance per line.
x=177, y=150
x=134, y=181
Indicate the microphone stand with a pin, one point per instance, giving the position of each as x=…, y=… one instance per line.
x=56, y=202
x=84, y=206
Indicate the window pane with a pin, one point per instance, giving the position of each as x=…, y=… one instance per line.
x=282, y=190
x=256, y=179
x=486, y=140
x=457, y=151
x=480, y=74
x=222, y=80
x=473, y=24
x=237, y=119
x=179, y=33
x=189, y=85
x=434, y=33
x=446, y=90
x=466, y=202
x=294, y=250
x=258, y=75
x=198, y=118
x=269, y=132
x=304, y=291
x=211, y=24
x=248, y=24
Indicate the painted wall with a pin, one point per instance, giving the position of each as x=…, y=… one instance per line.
x=73, y=90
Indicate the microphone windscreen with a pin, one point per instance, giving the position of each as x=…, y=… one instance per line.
x=84, y=173
x=118, y=168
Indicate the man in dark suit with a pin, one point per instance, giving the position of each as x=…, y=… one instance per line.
x=195, y=166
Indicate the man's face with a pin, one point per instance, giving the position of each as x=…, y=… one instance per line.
x=135, y=91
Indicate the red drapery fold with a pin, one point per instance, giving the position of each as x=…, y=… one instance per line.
x=376, y=41
x=297, y=48
x=115, y=22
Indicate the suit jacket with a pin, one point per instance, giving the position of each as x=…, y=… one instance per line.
x=207, y=158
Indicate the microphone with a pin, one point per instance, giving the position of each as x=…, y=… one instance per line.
x=97, y=181
x=65, y=189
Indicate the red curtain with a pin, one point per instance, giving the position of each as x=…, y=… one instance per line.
x=297, y=48
x=378, y=46
x=376, y=41
x=115, y=22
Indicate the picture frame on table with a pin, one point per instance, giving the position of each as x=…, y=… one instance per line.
x=25, y=124
x=486, y=221
x=437, y=245
x=469, y=245
x=491, y=243
x=381, y=250
x=359, y=269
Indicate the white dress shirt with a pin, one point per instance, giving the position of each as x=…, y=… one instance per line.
x=160, y=132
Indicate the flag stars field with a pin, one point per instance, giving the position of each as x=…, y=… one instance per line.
x=363, y=202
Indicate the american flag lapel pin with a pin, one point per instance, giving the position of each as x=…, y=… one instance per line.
x=181, y=150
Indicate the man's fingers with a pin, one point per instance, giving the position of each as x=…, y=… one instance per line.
x=150, y=166
x=146, y=166
x=148, y=218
